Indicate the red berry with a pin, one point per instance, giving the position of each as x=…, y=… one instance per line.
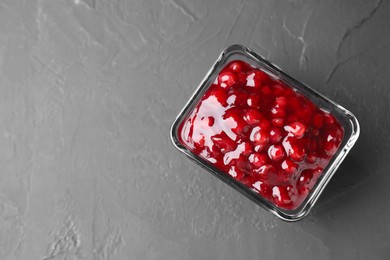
x=259, y=136
x=257, y=160
x=278, y=111
x=237, y=98
x=279, y=122
x=252, y=116
x=263, y=189
x=329, y=119
x=219, y=94
x=260, y=147
x=294, y=149
x=245, y=148
x=297, y=153
x=241, y=78
x=331, y=141
x=227, y=79
x=281, y=101
x=276, y=152
x=234, y=121
x=264, y=124
x=289, y=167
x=223, y=142
x=253, y=101
x=307, y=179
x=297, y=129
x=282, y=195
x=255, y=78
x=275, y=135
x=237, y=66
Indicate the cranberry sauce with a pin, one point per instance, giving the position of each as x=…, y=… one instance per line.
x=263, y=133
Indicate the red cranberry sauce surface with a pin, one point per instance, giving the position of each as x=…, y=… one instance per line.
x=263, y=133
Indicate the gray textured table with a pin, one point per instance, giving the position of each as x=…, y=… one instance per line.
x=88, y=92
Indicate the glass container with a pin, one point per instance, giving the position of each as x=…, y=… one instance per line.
x=237, y=169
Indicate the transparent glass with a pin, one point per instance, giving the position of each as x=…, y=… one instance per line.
x=345, y=118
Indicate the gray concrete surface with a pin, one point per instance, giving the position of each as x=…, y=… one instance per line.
x=89, y=89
